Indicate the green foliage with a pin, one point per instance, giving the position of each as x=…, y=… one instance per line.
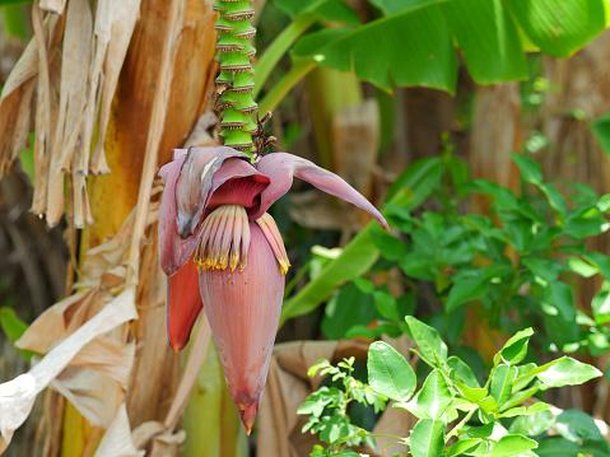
x=601, y=130
x=519, y=264
x=395, y=378
x=13, y=327
x=328, y=407
x=419, y=36
x=410, y=190
x=457, y=415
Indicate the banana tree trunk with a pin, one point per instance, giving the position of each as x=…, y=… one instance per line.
x=112, y=197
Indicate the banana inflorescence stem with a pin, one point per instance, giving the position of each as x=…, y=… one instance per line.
x=235, y=81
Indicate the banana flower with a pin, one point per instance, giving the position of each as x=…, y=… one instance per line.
x=220, y=248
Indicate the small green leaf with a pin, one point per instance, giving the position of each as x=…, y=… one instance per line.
x=578, y=426
x=582, y=267
x=566, y=371
x=427, y=438
x=600, y=305
x=556, y=446
x=432, y=401
x=466, y=290
x=560, y=313
x=461, y=371
x=515, y=349
x=391, y=247
x=462, y=446
x=386, y=306
x=533, y=424
x=512, y=445
x=601, y=130
x=389, y=373
x=348, y=308
x=432, y=348
x=529, y=168
x=502, y=379
x=12, y=326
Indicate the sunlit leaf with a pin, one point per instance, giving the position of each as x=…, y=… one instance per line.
x=512, y=445
x=431, y=347
x=566, y=371
x=432, y=401
x=488, y=39
x=426, y=438
x=515, y=349
x=416, y=50
x=389, y=373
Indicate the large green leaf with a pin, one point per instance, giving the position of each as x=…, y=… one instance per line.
x=400, y=6
x=410, y=48
x=488, y=39
x=357, y=258
x=389, y=373
x=426, y=438
x=330, y=10
x=566, y=371
x=559, y=27
x=412, y=43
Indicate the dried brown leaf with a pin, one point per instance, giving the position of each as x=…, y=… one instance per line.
x=43, y=111
x=17, y=396
x=76, y=55
x=93, y=394
x=24, y=70
x=107, y=356
x=54, y=6
x=114, y=26
x=117, y=440
x=175, y=25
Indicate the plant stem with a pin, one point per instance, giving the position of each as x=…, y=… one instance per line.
x=299, y=70
x=454, y=431
x=235, y=82
x=278, y=48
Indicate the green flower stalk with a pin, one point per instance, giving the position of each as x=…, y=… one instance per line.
x=235, y=82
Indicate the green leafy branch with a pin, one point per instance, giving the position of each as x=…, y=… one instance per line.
x=458, y=415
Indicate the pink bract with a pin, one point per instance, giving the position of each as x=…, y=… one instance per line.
x=220, y=248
